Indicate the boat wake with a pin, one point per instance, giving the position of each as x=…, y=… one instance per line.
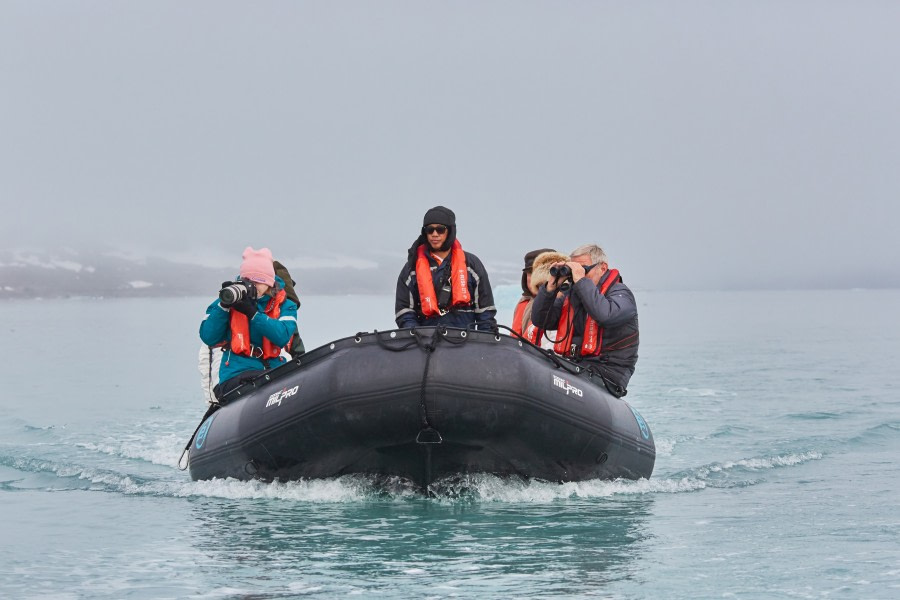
x=144, y=464
x=739, y=473
x=159, y=451
x=55, y=476
x=683, y=392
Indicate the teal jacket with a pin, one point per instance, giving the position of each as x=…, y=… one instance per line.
x=216, y=329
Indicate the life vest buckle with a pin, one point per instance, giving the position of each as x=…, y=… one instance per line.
x=256, y=352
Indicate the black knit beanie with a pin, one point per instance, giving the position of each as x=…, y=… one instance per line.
x=441, y=215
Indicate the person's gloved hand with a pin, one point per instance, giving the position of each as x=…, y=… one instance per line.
x=245, y=305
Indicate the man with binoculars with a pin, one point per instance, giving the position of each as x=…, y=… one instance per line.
x=594, y=314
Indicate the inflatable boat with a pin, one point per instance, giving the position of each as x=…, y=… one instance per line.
x=424, y=404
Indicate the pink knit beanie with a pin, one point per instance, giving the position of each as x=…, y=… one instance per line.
x=257, y=266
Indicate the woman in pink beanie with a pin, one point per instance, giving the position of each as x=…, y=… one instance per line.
x=258, y=266
x=252, y=321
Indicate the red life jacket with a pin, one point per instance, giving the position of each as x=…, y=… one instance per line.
x=531, y=333
x=592, y=342
x=459, y=281
x=240, y=330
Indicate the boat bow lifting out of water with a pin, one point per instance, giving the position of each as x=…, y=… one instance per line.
x=424, y=404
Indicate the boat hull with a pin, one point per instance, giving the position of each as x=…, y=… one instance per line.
x=422, y=405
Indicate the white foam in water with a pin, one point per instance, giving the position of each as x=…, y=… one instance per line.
x=490, y=488
x=760, y=463
x=665, y=446
x=355, y=488
x=699, y=392
x=164, y=450
x=106, y=479
x=341, y=489
x=777, y=461
x=484, y=488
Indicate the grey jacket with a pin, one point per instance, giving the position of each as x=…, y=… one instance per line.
x=615, y=312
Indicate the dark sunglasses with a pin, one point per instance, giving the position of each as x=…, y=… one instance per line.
x=431, y=229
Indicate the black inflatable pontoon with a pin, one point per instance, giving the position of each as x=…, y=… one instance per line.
x=423, y=404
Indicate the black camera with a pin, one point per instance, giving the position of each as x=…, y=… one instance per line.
x=236, y=291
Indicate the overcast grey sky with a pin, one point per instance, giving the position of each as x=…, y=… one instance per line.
x=703, y=144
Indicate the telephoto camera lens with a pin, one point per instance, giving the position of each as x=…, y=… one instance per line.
x=232, y=293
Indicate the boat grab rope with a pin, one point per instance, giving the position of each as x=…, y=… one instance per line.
x=591, y=370
x=427, y=342
x=182, y=463
x=429, y=348
x=550, y=355
x=383, y=344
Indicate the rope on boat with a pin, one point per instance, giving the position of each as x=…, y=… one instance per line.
x=181, y=461
x=428, y=434
x=428, y=343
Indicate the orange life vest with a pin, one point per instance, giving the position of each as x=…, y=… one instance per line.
x=531, y=333
x=592, y=341
x=459, y=281
x=240, y=330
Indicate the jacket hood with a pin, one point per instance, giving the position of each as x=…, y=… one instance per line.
x=529, y=263
x=540, y=269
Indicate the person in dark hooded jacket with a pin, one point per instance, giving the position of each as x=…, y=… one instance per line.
x=441, y=284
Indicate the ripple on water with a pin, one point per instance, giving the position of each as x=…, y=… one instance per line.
x=741, y=473
x=684, y=392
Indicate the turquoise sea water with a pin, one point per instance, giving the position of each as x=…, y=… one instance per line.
x=776, y=416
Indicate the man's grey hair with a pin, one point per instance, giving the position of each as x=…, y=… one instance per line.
x=594, y=251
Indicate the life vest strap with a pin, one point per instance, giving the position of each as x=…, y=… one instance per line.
x=240, y=331
x=592, y=336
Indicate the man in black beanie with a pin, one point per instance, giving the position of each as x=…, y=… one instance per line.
x=440, y=283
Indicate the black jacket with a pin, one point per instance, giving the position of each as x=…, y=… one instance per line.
x=408, y=307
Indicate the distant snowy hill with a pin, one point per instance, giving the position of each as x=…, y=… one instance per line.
x=69, y=273
x=108, y=274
